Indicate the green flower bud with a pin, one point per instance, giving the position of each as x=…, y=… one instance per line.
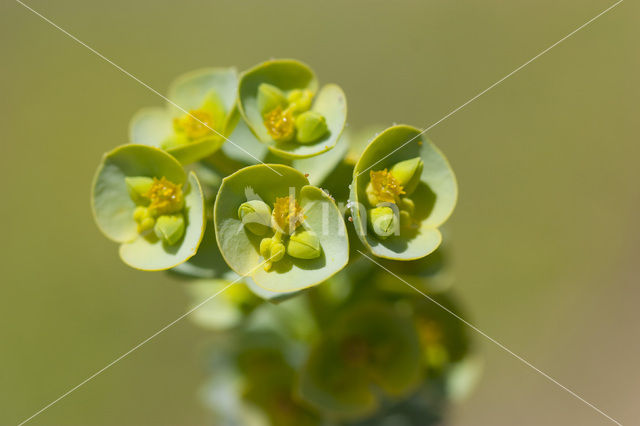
x=405, y=219
x=143, y=218
x=407, y=204
x=277, y=251
x=304, y=244
x=169, y=228
x=255, y=216
x=311, y=126
x=383, y=221
x=265, y=247
x=138, y=186
x=408, y=173
x=269, y=98
x=272, y=250
x=299, y=100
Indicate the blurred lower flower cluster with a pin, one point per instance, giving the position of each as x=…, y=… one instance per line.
x=362, y=349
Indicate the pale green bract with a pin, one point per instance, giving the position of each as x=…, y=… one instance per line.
x=288, y=75
x=435, y=195
x=318, y=167
x=240, y=247
x=113, y=206
x=210, y=90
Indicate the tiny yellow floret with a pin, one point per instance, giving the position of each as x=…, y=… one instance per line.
x=287, y=214
x=164, y=197
x=197, y=124
x=385, y=186
x=280, y=124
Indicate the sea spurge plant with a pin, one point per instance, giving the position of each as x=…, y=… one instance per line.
x=143, y=199
x=276, y=228
x=200, y=115
x=403, y=190
x=341, y=341
x=278, y=100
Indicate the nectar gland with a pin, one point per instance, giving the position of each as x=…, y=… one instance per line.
x=280, y=124
x=164, y=197
x=287, y=214
x=384, y=187
x=195, y=125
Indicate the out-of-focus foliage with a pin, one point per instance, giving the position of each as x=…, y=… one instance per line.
x=354, y=351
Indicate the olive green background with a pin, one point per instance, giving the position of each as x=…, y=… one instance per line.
x=544, y=242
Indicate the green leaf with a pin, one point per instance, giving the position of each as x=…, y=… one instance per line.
x=368, y=346
x=111, y=200
x=240, y=247
x=435, y=196
x=154, y=255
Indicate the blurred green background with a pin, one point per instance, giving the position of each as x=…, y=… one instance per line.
x=544, y=241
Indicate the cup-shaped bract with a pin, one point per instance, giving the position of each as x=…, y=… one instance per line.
x=116, y=206
x=279, y=103
x=421, y=210
x=264, y=257
x=369, y=347
x=200, y=114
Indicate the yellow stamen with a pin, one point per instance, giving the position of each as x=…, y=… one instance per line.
x=165, y=197
x=287, y=214
x=385, y=186
x=197, y=124
x=280, y=124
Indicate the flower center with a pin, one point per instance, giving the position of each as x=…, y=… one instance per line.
x=287, y=214
x=385, y=186
x=280, y=124
x=197, y=124
x=164, y=197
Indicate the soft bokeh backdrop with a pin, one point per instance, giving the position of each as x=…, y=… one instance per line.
x=544, y=241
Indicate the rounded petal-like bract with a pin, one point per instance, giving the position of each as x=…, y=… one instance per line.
x=113, y=206
x=241, y=248
x=432, y=200
x=289, y=75
x=212, y=90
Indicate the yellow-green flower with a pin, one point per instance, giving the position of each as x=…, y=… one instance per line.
x=143, y=199
x=403, y=171
x=195, y=123
x=306, y=240
x=279, y=103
